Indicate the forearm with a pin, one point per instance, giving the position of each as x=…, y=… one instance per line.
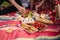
x=14, y=3
x=41, y=3
x=20, y=9
x=31, y=4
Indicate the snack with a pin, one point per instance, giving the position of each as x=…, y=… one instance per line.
x=45, y=21
x=9, y=30
x=40, y=26
x=29, y=14
x=27, y=20
x=45, y=16
x=29, y=28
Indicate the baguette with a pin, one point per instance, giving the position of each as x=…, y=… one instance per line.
x=29, y=28
x=46, y=21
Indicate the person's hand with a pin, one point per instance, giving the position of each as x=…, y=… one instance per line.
x=36, y=7
x=22, y=10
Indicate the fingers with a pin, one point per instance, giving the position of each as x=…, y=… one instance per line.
x=23, y=11
x=36, y=8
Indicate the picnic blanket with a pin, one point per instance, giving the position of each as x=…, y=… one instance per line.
x=52, y=32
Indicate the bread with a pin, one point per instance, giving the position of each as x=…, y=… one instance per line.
x=46, y=21
x=29, y=28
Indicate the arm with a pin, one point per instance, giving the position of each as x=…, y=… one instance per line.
x=14, y=3
x=40, y=4
x=31, y=3
x=20, y=8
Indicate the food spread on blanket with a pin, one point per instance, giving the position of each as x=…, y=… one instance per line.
x=33, y=22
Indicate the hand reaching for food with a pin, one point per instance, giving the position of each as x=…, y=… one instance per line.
x=37, y=6
x=22, y=10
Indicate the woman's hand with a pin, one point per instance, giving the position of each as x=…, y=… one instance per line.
x=36, y=7
x=40, y=4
